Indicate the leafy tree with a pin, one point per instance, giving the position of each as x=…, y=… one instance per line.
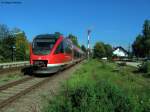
x=9, y=39
x=99, y=50
x=22, y=47
x=58, y=33
x=74, y=39
x=83, y=48
x=146, y=29
x=138, y=46
x=15, y=31
x=7, y=48
x=5, y=40
x=102, y=50
x=141, y=46
x=108, y=50
x=4, y=31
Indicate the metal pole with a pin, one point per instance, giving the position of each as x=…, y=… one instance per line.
x=88, y=44
x=12, y=54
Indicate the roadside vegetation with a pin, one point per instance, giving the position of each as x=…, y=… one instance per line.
x=102, y=50
x=100, y=86
x=145, y=68
x=14, y=45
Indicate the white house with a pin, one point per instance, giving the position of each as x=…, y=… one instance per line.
x=120, y=52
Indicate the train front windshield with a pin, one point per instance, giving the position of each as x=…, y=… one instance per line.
x=43, y=46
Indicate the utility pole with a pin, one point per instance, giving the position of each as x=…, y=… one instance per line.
x=88, y=44
x=129, y=51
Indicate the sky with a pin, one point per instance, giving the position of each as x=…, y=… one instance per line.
x=115, y=22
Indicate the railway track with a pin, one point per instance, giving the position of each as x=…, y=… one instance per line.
x=12, y=91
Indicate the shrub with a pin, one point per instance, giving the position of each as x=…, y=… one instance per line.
x=98, y=97
x=122, y=64
x=145, y=68
x=95, y=88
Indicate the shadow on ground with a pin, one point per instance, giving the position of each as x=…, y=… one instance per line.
x=29, y=71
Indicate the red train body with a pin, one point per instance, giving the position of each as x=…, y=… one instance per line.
x=51, y=53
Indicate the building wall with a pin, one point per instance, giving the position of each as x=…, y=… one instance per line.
x=120, y=53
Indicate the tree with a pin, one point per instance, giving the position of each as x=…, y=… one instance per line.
x=58, y=33
x=83, y=48
x=147, y=47
x=141, y=45
x=138, y=46
x=108, y=49
x=7, y=48
x=146, y=35
x=146, y=29
x=4, y=31
x=74, y=39
x=22, y=46
x=99, y=50
x=11, y=39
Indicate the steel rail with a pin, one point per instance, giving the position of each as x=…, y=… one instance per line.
x=14, y=83
x=23, y=92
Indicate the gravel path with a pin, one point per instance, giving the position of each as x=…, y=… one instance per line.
x=134, y=64
x=33, y=101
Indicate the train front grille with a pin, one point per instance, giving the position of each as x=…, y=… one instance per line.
x=40, y=63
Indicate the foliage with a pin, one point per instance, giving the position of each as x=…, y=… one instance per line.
x=7, y=47
x=141, y=46
x=22, y=47
x=13, y=44
x=93, y=98
x=95, y=88
x=83, y=48
x=58, y=33
x=74, y=39
x=108, y=50
x=102, y=50
x=145, y=68
x=4, y=31
x=99, y=50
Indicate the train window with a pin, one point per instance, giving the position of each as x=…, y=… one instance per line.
x=60, y=48
x=67, y=47
x=76, y=54
x=43, y=46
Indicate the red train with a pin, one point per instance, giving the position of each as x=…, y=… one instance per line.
x=51, y=53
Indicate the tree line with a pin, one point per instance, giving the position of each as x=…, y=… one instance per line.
x=102, y=50
x=140, y=47
x=14, y=45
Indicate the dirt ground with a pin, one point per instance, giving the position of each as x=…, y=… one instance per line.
x=33, y=101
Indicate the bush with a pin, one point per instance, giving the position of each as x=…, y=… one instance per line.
x=122, y=64
x=145, y=68
x=98, y=97
x=95, y=88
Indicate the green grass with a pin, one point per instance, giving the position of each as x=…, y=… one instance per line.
x=102, y=87
x=11, y=77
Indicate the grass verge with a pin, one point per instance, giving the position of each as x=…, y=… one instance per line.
x=10, y=77
x=102, y=87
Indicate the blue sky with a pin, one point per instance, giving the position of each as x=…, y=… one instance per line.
x=116, y=22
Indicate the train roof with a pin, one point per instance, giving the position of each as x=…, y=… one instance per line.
x=47, y=36
x=78, y=49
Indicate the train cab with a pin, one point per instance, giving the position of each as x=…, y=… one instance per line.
x=50, y=53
